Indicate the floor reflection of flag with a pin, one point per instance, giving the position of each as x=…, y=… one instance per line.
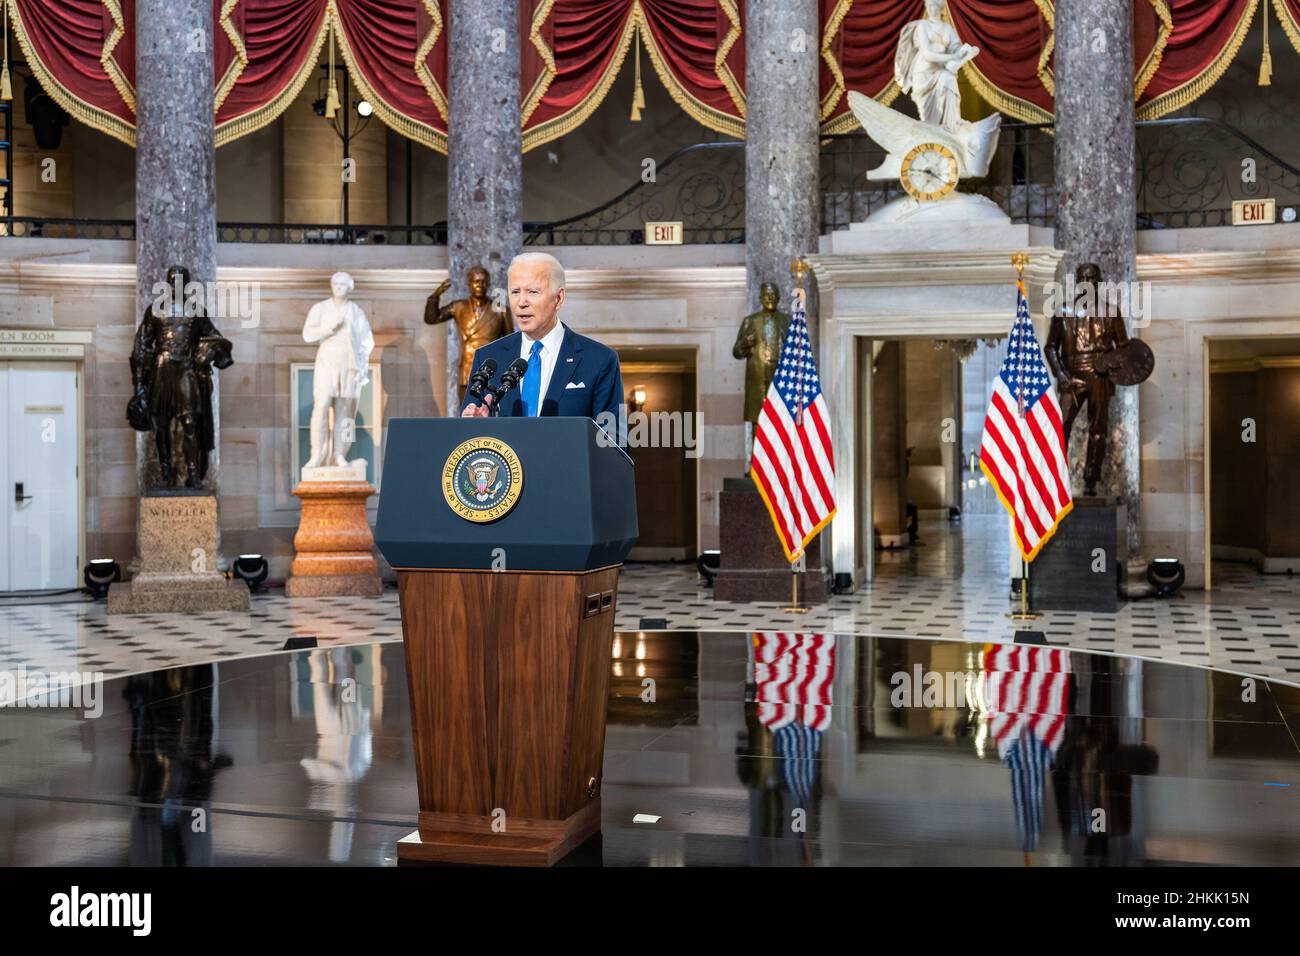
x=1026, y=692
x=793, y=674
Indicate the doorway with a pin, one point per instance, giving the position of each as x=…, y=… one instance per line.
x=664, y=441
x=932, y=511
x=1253, y=430
x=40, y=443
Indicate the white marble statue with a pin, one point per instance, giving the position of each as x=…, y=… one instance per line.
x=346, y=342
x=926, y=63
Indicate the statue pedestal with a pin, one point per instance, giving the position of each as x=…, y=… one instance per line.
x=1081, y=567
x=177, y=568
x=334, y=546
x=753, y=566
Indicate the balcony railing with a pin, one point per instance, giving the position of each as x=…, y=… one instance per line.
x=1190, y=170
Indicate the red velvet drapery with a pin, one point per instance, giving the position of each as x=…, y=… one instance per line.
x=1205, y=37
x=264, y=51
x=577, y=48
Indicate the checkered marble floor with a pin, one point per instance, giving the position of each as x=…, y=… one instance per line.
x=952, y=586
x=80, y=636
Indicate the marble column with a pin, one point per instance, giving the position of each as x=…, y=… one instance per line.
x=485, y=189
x=781, y=152
x=1096, y=194
x=175, y=164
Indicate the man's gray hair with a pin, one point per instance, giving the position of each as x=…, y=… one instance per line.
x=540, y=258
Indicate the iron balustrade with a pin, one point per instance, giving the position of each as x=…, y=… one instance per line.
x=1189, y=172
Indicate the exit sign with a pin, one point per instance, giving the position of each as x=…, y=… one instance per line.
x=663, y=233
x=1254, y=212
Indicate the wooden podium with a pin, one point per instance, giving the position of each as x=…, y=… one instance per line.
x=507, y=535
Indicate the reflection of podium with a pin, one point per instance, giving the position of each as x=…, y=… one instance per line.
x=507, y=536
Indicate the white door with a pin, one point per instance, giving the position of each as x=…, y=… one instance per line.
x=40, y=435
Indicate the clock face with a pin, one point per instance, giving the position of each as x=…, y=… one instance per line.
x=929, y=172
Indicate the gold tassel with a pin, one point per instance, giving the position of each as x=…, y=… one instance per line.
x=332, y=102
x=638, y=94
x=1266, y=61
x=6, y=85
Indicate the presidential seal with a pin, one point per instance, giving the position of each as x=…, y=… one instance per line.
x=482, y=479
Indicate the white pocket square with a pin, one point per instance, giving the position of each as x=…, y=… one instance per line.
x=576, y=385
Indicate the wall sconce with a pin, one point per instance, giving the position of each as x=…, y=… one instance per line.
x=638, y=398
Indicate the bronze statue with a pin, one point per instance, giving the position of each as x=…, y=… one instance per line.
x=759, y=343
x=477, y=318
x=176, y=347
x=1089, y=352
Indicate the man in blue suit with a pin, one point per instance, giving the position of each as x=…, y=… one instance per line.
x=568, y=374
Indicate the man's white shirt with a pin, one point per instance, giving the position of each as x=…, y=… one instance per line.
x=549, y=355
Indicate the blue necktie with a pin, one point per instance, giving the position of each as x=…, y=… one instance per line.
x=533, y=382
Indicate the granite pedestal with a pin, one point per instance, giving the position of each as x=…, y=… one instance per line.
x=177, y=568
x=334, y=547
x=1081, y=566
x=754, y=567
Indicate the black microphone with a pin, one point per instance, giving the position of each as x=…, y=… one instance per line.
x=480, y=379
x=509, y=379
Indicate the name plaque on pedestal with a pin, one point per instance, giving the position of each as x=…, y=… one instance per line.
x=1081, y=566
x=177, y=567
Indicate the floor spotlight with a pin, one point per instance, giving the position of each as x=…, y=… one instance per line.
x=99, y=574
x=252, y=569
x=1166, y=575
x=708, y=564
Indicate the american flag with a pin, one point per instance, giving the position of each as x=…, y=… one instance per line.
x=793, y=676
x=793, y=465
x=1023, y=451
x=1025, y=694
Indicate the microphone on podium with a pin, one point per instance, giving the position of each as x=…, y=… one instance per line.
x=509, y=379
x=480, y=379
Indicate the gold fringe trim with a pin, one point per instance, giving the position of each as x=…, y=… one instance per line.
x=543, y=82
x=114, y=72
x=996, y=97
x=269, y=112
x=1149, y=66
x=638, y=91
x=1157, y=54
x=1181, y=96
x=701, y=112
x=6, y=84
x=833, y=24
x=847, y=122
x=239, y=64
x=1047, y=8
x=1004, y=102
x=720, y=67
x=566, y=122
x=421, y=55
x=92, y=116
x=1289, y=25
x=1266, y=61
x=430, y=136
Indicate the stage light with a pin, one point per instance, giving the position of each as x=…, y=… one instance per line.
x=708, y=564
x=364, y=108
x=252, y=569
x=1166, y=575
x=99, y=574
